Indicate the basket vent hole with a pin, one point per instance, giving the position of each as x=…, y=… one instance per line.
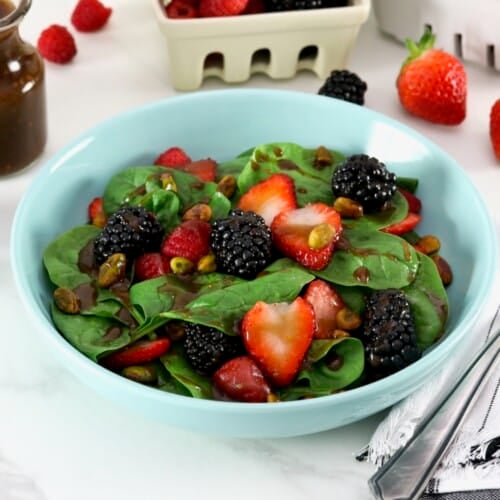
x=214, y=60
x=458, y=45
x=490, y=56
x=308, y=53
x=261, y=57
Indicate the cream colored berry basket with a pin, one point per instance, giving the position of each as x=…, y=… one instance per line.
x=278, y=44
x=470, y=30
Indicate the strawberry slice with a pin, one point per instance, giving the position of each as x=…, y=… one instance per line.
x=414, y=203
x=326, y=303
x=190, y=239
x=95, y=208
x=205, y=170
x=308, y=235
x=270, y=197
x=407, y=224
x=140, y=352
x=151, y=265
x=278, y=336
x=240, y=379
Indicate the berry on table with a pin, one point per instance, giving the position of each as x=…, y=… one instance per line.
x=241, y=243
x=389, y=332
x=364, y=179
x=207, y=348
x=182, y=9
x=216, y=8
x=56, y=44
x=346, y=85
x=432, y=84
x=131, y=231
x=90, y=15
x=495, y=128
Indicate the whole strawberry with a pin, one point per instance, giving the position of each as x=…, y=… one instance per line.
x=432, y=83
x=495, y=127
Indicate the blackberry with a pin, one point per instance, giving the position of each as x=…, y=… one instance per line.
x=282, y=5
x=366, y=180
x=345, y=85
x=241, y=243
x=207, y=348
x=389, y=333
x=130, y=230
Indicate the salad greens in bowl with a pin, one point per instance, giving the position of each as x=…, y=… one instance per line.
x=253, y=263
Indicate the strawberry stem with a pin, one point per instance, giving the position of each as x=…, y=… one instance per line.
x=425, y=43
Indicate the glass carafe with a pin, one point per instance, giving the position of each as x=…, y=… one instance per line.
x=23, y=125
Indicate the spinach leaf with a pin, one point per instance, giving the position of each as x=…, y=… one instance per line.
x=150, y=297
x=313, y=184
x=60, y=258
x=92, y=335
x=176, y=364
x=373, y=259
x=396, y=213
x=408, y=183
x=128, y=186
x=428, y=301
x=317, y=379
x=220, y=205
x=223, y=308
x=165, y=205
x=233, y=167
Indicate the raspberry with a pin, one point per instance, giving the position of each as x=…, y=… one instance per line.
x=173, y=157
x=189, y=240
x=181, y=9
x=215, y=8
x=56, y=44
x=151, y=265
x=90, y=15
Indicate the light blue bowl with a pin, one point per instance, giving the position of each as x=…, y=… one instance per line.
x=221, y=124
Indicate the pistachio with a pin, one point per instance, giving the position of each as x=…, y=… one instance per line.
x=207, y=264
x=168, y=182
x=347, y=319
x=323, y=157
x=227, y=186
x=200, y=211
x=348, y=208
x=429, y=244
x=66, y=300
x=112, y=270
x=145, y=374
x=181, y=265
x=340, y=334
x=272, y=398
x=321, y=236
x=443, y=268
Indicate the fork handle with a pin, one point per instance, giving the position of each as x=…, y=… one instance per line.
x=406, y=474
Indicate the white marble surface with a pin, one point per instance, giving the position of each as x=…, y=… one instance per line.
x=59, y=440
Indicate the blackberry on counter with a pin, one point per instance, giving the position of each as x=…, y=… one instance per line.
x=282, y=5
x=364, y=179
x=345, y=85
x=389, y=333
x=241, y=243
x=207, y=348
x=130, y=230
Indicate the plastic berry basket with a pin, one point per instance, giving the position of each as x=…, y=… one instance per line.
x=467, y=29
x=278, y=44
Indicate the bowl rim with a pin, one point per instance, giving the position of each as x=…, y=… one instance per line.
x=75, y=359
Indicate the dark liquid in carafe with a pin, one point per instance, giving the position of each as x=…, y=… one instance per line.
x=23, y=126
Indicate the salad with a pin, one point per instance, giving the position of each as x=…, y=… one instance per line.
x=284, y=273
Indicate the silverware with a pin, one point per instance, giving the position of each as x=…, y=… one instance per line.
x=406, y=474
